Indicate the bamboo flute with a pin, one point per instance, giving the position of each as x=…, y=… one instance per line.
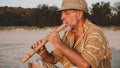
x=29, y=55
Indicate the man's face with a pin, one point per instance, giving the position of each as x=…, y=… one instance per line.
x=69, y=17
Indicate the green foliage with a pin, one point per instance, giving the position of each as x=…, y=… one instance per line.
x=40, y=17
x=116, y=15
x=100, y=13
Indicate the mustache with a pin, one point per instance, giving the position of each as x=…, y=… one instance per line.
x=69, y=27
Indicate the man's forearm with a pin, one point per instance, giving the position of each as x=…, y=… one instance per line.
x=48, y=57
x=74, y=57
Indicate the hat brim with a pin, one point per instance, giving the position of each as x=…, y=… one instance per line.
x=62, y=9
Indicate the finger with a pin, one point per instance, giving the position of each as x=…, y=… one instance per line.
x=42, y=48
x=38, y=42
x=56, y=31
x=51, y=35
x=34, y=46
x=52, y=42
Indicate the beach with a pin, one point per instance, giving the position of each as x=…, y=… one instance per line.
x=15, y=44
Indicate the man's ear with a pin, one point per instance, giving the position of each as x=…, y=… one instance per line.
x=80, y=14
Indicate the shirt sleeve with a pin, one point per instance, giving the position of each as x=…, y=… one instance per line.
x=93, y=49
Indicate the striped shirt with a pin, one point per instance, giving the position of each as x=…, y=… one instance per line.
x=92, y=45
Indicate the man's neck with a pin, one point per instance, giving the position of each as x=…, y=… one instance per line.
x=79, y=26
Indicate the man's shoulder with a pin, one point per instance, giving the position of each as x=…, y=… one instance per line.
x=89, y=26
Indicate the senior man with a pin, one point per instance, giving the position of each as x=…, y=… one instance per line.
x=83, y=45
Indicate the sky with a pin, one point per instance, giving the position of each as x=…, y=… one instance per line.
x=35, y=3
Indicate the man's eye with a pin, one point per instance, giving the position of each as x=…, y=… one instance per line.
x=67, y=13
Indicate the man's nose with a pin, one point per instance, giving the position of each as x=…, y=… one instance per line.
x=62, y=16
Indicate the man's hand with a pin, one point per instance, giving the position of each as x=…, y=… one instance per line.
x=42, y=50
x=45, y=55
x=54, y=39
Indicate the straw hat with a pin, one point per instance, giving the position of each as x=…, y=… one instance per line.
x=74, y=4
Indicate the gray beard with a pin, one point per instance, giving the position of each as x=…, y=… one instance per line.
x=70, y=27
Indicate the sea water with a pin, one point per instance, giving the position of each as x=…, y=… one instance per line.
x=14, y=45
x=11, y=55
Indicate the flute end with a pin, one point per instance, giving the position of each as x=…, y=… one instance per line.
x=22, y=61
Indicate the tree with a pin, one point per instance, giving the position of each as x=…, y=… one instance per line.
x=101, y=13
x=116, y=16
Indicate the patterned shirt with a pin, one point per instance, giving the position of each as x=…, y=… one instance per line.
x=91, y=45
